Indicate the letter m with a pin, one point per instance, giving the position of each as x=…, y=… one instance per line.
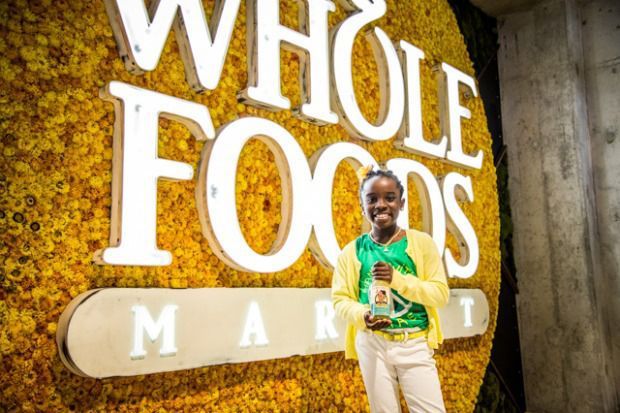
x=164, y=326
x=141, y=35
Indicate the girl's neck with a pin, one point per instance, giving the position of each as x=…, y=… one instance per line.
x=383, y=235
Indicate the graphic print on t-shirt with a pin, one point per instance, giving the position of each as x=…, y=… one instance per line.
x=406, y=314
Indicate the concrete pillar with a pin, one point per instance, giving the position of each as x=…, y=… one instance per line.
x=601, y=46
x=563, y=326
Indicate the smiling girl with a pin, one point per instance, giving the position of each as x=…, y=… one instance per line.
x=398, y=349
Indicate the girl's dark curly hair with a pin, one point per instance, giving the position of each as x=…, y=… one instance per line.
x=385, y=174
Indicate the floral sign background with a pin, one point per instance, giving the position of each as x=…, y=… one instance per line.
x=55, y=196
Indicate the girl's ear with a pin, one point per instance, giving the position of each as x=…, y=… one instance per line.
x=402, y=204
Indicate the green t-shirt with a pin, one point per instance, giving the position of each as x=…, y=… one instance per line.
x=406, y=314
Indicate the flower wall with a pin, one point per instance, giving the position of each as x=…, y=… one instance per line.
x=55, y=197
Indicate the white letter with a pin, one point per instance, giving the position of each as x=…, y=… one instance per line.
x=136, y=169
x=457, y=186
x=141, y=40
x=325, y=320
x=467, y=303
x=216, y=200
x=411, y=137
x=254, y=327
x=391, y=82
x=323, y=243
x=143, y=321
x=431, y=202
x=452, y=112
x=263, y=25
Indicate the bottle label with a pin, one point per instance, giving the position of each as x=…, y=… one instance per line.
x=379, y=298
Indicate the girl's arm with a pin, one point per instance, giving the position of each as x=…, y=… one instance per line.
x=344, y=295
x=430, y=289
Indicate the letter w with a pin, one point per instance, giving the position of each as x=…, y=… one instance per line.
x=141, y=39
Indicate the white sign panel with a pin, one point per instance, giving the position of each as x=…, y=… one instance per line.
x=136, y=331
x=467, y=314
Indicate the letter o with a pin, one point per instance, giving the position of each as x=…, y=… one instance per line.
x=430, y=198
x=215, y=196
x=324, y=244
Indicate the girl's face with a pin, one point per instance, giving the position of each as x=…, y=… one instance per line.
x=381, y=202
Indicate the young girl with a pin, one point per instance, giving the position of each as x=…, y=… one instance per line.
x=398, y=349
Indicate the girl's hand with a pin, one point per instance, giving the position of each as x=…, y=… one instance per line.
x=376, y=323
x=382, y=271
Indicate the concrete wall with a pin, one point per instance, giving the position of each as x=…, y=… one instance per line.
x=561, y=107
x=601, y=48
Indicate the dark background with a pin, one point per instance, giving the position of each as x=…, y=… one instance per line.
x=502, y=390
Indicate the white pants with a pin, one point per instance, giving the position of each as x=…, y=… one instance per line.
x=385, y=363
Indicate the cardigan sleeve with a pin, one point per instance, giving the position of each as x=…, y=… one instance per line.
x=429, y=288
x=344, y=295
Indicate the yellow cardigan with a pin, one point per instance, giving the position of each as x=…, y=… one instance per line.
x=429, y=288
